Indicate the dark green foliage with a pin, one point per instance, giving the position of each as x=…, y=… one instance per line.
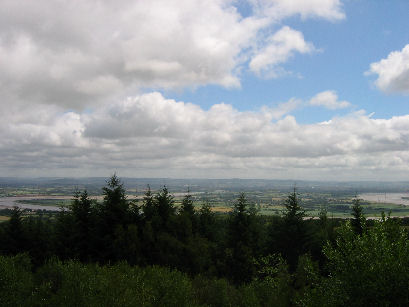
x=207, y=222
x=272, y=280
x=72, y=283
x=159, y=243
x=187, y=207
x=290, y=235
x=64, y=235
x=148, y=206
x=215, y=292
x=113, y=217
x=75, y=284
x=197, y=256
x=237, y=259
x=16, y=281
x=320, y=232
x=39, y=243
x=165, y=209
x=306, y=276
x=84, y=219
x=126, y=245
x=15, y=236
x=371, y=269
x=358, y=219
x=294, y=212
x=114, y=208
x=323, y=216
x=241, y=245
x=187, y=219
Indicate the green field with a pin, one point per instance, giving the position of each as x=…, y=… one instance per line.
x=272, y=203
x=268, y=201
x=45, y=202
x=4, y=218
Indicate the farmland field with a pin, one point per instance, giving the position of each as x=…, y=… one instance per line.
x=268, y=196
x=3, y=218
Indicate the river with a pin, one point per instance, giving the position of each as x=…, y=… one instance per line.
x=389, y=198
x=16, y=201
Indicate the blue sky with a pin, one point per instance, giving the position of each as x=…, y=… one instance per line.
x=370, y=31
x=280, y=89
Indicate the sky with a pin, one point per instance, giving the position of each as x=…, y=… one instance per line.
x=274, y=89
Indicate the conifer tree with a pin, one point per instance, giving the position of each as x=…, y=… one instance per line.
x=113, y=214
x=114, y=206
x=290, y=236
x=358, y=219
x=207, y=222
x=15, y=235
x=187, y=213
x=83, y=214
x=148, y=206
x=65, y=240
x=239, y=250
x=164, y=204
x=187, y=206
x=294, y=212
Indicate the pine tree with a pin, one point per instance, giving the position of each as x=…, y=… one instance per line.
x=290, y=236
x=83, y=215
x=294, y=212
x=113, y=214
x=65, y=240
x=15, y=235
x=187, y=205
x=239, y=222
x=358, y=221
x=207, y=222
x=239, y=252
x=148, y=206
x=164, y=203
x=115, y=206
x=188, y=215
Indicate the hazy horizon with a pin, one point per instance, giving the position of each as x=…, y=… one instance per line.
x=124, y=178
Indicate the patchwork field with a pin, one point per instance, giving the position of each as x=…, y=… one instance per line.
x=267, y=196
x=4, y=218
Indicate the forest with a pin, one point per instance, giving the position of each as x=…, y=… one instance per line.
x=120, y=252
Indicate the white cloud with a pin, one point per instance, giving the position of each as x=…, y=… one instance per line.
x=65, y=66
x=280, y=47
x=393, y=72
x=149, y=135
x=329, y=100
x=277, y=9
x=83, y=52
x=283, y=108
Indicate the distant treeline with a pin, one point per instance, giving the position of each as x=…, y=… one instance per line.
x=149, y=253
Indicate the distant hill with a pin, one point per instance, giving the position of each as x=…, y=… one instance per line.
x=197, y=185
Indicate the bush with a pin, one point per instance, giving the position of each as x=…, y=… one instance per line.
x=75, y=284
x=371, y=269
x=16, y=282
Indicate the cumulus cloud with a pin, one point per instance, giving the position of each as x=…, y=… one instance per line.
x=393, y=72
x=280, y=47
x=65, y=67
x=78, y=53
x=149, y=135
x=329, y=100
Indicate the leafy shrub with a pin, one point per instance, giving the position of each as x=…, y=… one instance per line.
x=75, y=284
x=371, y=269
x=15, y=280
